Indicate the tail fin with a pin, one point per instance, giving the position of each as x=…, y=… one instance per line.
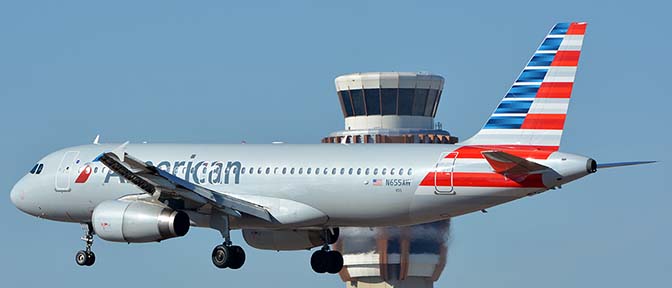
x=533, y=111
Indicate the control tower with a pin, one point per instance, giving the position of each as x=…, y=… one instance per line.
x=391, y=107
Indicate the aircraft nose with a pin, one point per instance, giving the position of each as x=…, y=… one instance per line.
x=17, y=196
x=14, y=196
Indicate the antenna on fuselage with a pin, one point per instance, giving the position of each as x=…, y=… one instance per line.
x=96, y=140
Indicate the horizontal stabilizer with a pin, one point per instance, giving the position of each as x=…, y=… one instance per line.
x=621, y=164
x=505, y=163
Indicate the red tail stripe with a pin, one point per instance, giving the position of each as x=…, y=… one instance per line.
x=555, y=90
x=533, y=152
x=577, y=29
x=481, y=179
x=544, y=121
x=566, y=58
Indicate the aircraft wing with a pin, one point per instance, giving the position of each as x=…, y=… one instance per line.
x=152, y=180
x=505, y=163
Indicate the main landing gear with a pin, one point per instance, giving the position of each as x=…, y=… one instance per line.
x=226, y=255
x=86, y=257
x=326, y=260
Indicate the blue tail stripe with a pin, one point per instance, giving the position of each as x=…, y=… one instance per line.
x=505, y=122
x=560, y=29
x=527, y=91
x=532, y=75
x=542, y=59
x=551, y=44
x=513, y=107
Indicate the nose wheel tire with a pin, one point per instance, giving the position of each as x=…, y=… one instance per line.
x=85, y=258
x=326, y=261
x=228, y=257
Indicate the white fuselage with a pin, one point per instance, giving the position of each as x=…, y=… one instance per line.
x=304, y=185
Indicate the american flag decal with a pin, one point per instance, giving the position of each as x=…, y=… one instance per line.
x=377, y=182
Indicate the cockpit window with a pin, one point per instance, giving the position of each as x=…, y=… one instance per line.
x=37, y=169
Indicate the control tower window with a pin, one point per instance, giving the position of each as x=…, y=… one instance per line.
x=372, y=97
x=347, y=103
x=389, y=100
x=431, y=99
x=405, y=101
x=419, y=102
x=358, y=102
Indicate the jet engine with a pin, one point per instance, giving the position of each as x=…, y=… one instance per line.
x=137, y=221
x=283, y=239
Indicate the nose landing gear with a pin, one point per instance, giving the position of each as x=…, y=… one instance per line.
x=86, y=257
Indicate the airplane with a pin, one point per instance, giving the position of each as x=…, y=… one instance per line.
x=295, y=197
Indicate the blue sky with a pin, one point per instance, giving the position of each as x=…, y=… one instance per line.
x=208, y=71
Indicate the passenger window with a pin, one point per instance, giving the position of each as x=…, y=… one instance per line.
x=95, y=170
x=307, y=171
x=32, y=171
x=392, y=171
x=350, y=171
x=291, y=171
x=342, y=171
x=325, y=171
x=375, y=171
x=401, y=171
x=359, y=171
x=384, y=171
x=251, y=170
x=268, y=170
x=39, y=168
x=333, y=171
x=275, y=170
x=259, y=171
x=242, y=171
x=410, y=171
x=367, y=171
x=284, y=170
x=235, y=169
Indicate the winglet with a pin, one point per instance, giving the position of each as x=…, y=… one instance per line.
x=120, y=151
x=96, y=140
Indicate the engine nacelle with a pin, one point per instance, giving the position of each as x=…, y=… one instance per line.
x=283, y=239
x=137, y=221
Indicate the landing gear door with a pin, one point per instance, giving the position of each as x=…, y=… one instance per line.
x=443, y=174
x=65, y=171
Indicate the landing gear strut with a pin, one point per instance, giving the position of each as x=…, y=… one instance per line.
x=226, y=255
x=86, y=257
x=326, y=260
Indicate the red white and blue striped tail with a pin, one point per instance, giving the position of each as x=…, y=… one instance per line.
x=533, y=112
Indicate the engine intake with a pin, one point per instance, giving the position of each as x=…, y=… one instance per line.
x=138, y=222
